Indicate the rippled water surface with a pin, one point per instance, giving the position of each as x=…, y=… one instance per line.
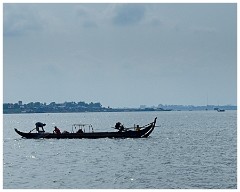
x=188, y=150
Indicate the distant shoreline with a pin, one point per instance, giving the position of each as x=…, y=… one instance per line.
x=82, y=107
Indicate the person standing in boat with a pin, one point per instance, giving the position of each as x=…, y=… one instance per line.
x=38, y=125
x=56, y=130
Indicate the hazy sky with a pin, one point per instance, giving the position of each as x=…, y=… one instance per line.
x=121, y=55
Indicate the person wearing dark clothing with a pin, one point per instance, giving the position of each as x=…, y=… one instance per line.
x=119, y=126
x=38, y=125
x=56, y=130
x=80, y=131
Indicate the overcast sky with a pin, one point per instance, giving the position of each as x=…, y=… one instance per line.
x=121, y=55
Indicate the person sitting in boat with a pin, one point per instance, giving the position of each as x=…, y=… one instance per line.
x=80, y=131
x=56, y=130
x=137, y=128
x=38, y=125
x=119, y=126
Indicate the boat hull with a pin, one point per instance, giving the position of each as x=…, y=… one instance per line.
x=143, y=133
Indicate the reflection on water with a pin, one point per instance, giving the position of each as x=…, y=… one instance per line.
x=188, y=150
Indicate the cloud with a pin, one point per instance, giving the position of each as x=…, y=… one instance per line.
x=120, y=45
x=19, y=20
x=129, y=14
x=86, y=17
x=204, y=30
x=156, y=22
x=81, y=11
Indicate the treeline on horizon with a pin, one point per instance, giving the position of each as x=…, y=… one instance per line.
x=53, y=107
x=38, y=107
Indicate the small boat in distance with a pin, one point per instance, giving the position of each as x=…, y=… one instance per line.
x=137, y=132
x=219, y=110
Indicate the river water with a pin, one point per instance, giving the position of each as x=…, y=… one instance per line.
x=189, y=150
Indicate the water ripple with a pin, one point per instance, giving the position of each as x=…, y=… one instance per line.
x=190, y=150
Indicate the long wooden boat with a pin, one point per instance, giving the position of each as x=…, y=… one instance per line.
x=141, y=132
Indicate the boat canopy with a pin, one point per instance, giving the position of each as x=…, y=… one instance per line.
x=83, y=127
